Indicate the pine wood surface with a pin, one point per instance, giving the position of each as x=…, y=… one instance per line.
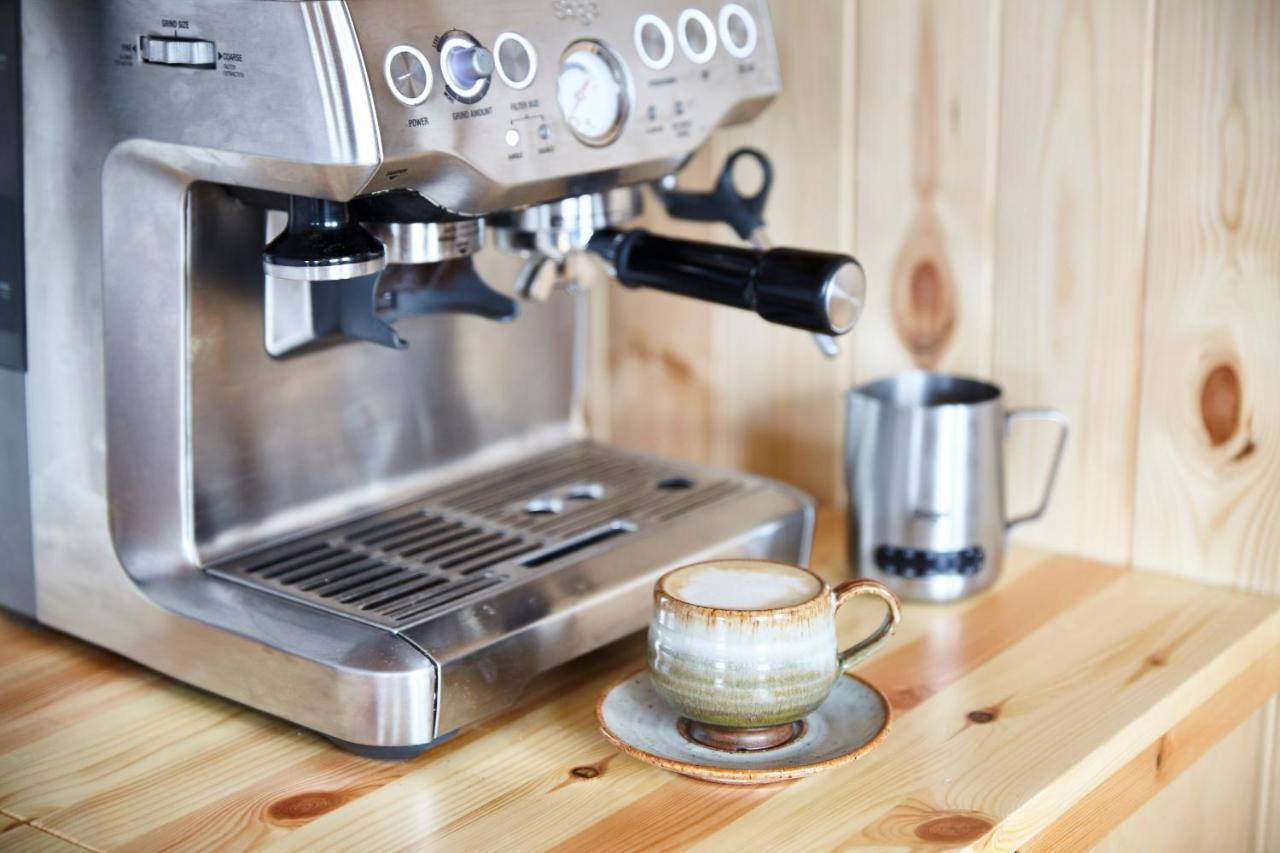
x=1041, y=713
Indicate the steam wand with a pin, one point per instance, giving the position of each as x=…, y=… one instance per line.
x=743, y=213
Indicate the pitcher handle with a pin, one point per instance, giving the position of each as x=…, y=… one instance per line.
x=871, y=644
x=1064, y=427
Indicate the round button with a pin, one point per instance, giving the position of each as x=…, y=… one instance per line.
x=513, y=137
x=654, y=42
x=408, y=74
x=738, y=31
x=697, y=35
x=517, y=60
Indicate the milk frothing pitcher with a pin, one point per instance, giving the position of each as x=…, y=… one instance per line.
x=924, y=464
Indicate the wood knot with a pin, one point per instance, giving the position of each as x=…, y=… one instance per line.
x=676, y=368
x=1162, y=752
x=924, y=311
x=585, y=772
x=1220, y=403
x=305, y=806
x=982, y=717
x=1156, y=659
x=908, y=697
x=955, y=828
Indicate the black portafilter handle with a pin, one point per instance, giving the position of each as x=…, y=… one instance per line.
x=815, y=291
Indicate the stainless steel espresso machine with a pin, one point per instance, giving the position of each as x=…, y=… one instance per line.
x=269, y=424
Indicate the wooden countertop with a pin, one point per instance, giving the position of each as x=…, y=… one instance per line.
x=1035, y=716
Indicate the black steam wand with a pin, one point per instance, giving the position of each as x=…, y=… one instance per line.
x=822, y=293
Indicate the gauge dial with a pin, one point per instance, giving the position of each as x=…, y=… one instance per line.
x=592, y=91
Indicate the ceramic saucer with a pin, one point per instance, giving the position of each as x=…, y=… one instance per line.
x=851, y=722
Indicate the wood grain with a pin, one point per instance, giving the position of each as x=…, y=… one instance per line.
x=661, y=395
x=25, y=838
x=1207, y=490
x=1119, y=797
x=1012, y=708
x=1069, y=240
x=1203, y=808
x=1208, y=494
x=927, y=110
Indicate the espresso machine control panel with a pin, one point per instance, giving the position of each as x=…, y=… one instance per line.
x=531, y=93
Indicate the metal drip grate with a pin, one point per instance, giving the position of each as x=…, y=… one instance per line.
x=405, y=565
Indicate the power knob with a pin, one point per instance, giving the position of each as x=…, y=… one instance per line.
x=467, y=67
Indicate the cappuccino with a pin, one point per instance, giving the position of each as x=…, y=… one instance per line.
x=743, y=585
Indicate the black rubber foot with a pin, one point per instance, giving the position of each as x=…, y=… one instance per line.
x=390, y=753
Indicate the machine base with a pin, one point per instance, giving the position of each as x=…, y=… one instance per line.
x=390, y=753
x=383, y=631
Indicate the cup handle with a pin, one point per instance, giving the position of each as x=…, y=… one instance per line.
x=1064, y=427
x=866, y=648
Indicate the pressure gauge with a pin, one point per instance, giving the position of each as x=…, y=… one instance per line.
x=593, y=93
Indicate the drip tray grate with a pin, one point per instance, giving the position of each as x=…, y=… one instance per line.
x=403, y=566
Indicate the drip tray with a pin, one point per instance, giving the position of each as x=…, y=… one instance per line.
x=471, y=540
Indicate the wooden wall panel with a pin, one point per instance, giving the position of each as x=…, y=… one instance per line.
x=926, y=146
x=660, y=390
x=1069, y=240
x=1208, y=494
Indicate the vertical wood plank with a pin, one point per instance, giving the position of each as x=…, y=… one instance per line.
x=1268, y=837
x=597, y=409
x=1208, y=495
x=1207, y=490
x=661, y=393
x=927, y=110
x=1070, y=227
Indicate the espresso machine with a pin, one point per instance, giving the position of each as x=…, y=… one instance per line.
x=273, y=425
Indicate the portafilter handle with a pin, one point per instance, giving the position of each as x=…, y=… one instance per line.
x=819, y=292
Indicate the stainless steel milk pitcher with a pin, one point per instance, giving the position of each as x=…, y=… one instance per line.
x=924, y=463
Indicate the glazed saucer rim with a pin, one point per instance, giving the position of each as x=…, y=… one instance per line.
x=748, y=775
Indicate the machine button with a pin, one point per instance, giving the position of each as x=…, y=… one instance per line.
x=513, y=137
x=467, y=67
x=697, y=35
x=172, y=50
x=738, y=31
x=517, y=60
x=654, y=42
x=408, y=74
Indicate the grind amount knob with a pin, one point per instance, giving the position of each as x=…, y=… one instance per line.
x=467, y=67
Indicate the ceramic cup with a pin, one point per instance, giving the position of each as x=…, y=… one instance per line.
x=745, y=649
